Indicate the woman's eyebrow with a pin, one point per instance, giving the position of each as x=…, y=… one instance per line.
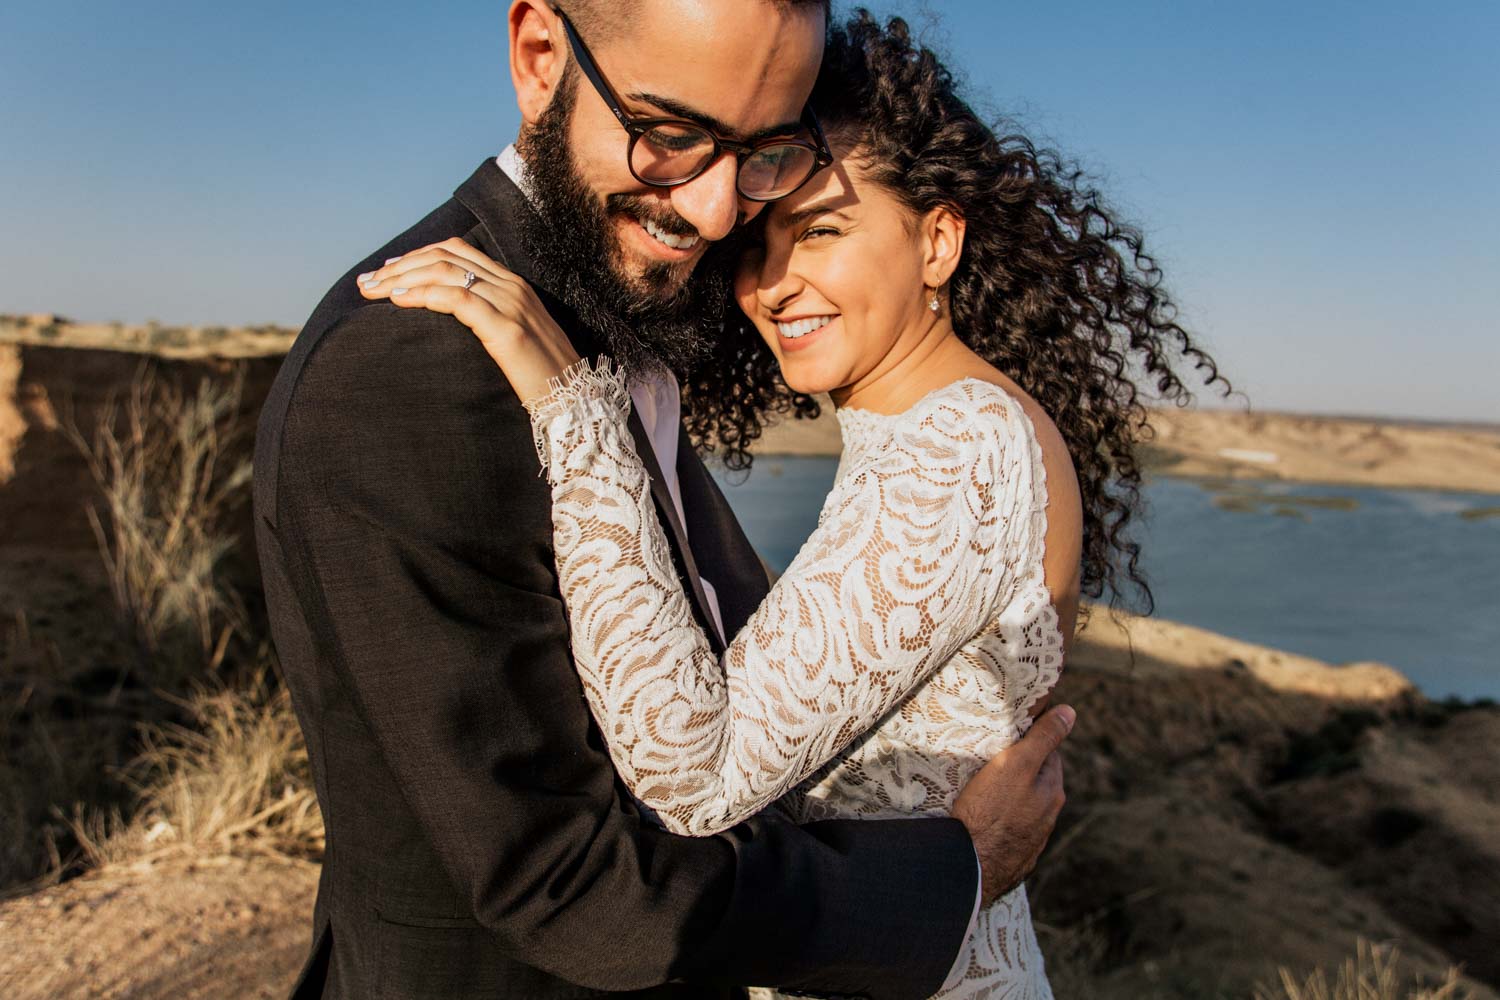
x=680, y=110
x=794, y=219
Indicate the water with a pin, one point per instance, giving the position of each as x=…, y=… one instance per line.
x=1339, y=573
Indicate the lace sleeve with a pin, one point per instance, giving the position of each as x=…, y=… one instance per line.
x=899, y=574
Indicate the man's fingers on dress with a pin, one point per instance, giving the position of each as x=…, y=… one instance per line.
x=1050, y=783
x=1048, y=732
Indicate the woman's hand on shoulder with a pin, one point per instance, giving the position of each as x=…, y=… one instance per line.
x=501, y=308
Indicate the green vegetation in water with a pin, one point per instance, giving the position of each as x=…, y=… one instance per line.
x=1479, y=513
x=1238, y=504
x=1243, y=499
x=1152, y=457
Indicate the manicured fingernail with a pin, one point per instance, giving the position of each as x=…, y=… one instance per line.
x=392, y=260
x=369, y=282
x=1067, y=715
x=399, y=291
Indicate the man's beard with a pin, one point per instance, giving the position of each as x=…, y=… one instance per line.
x=663, y=317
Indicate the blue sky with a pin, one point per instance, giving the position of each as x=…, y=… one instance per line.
x=1319, y=178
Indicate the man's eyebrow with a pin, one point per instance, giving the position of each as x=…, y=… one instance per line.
x=680, y=110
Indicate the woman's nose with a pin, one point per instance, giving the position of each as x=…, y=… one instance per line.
x=778, y=283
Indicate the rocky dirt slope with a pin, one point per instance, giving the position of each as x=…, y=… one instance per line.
x=1231, y=808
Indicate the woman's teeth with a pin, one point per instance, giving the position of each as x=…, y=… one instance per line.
x=803, y=327
x=666, y=238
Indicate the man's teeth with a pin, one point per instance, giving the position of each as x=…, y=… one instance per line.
x=803, y=327
x=675, y=242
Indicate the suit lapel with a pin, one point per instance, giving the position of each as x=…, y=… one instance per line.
x=723, y=552
x=496, y=202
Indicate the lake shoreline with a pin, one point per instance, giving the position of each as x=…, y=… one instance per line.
x=1207, y=445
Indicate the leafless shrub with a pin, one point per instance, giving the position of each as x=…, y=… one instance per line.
x=159, y=462
x=235, y=780
x=1372, y=974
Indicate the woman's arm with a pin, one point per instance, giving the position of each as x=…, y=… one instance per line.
x=907, y=564
x=900, y=573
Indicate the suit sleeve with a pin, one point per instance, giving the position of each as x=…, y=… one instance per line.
x=418, y=539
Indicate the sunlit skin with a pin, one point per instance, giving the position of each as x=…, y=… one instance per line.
x=752, y=83
x=844, y=247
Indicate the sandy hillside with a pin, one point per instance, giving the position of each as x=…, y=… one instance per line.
x=1229, y=444
x=1326, y=449
x=188, y=931
x=47, y=329
x=1231, y=809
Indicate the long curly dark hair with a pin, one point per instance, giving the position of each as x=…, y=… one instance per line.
x=1051, y=288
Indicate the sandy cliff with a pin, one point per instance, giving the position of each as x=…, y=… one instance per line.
x=1231, y=807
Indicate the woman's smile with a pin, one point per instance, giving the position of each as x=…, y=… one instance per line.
x=800, y=334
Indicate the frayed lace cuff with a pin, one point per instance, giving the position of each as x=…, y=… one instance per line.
x=568, y=416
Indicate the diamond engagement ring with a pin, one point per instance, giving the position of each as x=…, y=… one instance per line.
x=469, y=278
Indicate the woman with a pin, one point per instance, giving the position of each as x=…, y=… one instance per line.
x=971, y=314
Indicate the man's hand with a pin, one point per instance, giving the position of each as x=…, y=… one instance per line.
x=1011, y=806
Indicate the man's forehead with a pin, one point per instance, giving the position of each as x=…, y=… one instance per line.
x=743, y=67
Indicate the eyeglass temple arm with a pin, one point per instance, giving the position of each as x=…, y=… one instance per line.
x=585, y=61
x=825, y=155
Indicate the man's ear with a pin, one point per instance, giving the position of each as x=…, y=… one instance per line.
x=942, y=245
x=538, y=56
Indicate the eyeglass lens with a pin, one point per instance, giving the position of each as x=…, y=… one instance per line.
x=677, y=152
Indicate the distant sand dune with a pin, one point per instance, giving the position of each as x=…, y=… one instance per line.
x=1298, y=448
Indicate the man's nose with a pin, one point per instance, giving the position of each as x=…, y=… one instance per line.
x=711, y=201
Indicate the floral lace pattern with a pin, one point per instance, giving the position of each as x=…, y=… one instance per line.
x=902, y=648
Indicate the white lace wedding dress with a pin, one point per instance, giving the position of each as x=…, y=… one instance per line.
x=901, y=649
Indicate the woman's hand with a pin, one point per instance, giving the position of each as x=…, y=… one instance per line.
x=501, y=308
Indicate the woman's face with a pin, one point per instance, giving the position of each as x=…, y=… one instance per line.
x=836, y=285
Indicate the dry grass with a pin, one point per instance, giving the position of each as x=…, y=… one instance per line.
x=222, y=770
x=165, y=470
x=1372, y=974
x=234, y=780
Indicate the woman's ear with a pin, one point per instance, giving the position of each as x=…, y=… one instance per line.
x=942, y=233
x=538, y=56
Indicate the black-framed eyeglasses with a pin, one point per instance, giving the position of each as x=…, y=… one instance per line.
x=665, y=152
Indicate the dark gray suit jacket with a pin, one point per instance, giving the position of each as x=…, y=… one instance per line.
x=479, y=842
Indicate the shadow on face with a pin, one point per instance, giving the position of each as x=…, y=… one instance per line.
x=833, y=280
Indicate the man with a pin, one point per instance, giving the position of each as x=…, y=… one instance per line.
x=479, y=844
